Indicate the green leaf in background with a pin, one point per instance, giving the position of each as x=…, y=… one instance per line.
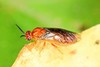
x=74, y=15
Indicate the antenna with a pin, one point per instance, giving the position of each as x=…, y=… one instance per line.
x=22, y=36
x=20, y=29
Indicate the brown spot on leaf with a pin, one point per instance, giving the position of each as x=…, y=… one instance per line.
x=73, y=52
x=97, y=42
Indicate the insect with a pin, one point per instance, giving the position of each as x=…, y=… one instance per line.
x=56, y=34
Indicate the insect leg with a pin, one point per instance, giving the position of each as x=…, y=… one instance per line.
x=42, y=47
x=56, y=47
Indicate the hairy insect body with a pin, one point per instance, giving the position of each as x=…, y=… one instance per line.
x=53, y=34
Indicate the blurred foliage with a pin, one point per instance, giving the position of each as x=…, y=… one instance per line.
x=74, y=15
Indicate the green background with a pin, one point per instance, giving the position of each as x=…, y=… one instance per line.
x=74, y=15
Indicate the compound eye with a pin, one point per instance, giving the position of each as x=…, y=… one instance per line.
x=28, y=38
x=28, y=35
